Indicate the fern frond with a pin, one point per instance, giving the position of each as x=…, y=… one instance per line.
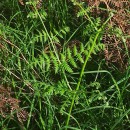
x=54, y=61
x=75, y=51
x=80, y=58
x=45, y=36
x=41, y=62
x=81, y=48
x=47, y=62
x=69, y=53
x=65, y=66
x=72, y=62
x=57, y=33
x=70, y=58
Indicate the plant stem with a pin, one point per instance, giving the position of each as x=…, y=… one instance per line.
x=83, y=68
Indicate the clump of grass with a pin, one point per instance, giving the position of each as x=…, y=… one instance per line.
x=51, y=59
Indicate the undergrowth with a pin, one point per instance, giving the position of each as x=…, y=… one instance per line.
x=64, y=64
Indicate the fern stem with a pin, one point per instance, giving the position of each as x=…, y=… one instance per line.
x=83, y=68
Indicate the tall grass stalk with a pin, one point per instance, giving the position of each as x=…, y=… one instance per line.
x=83, y=68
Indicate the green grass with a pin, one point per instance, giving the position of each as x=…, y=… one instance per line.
x=61, y=84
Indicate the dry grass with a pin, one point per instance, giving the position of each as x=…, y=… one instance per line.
x=10, y=105
x=115, y=52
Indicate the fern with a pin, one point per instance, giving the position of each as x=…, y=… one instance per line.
x=59, y=33
x=75, y=51
x=47, y=61
x=81, y=48
x=72, y=56
x=64, y=64
x=54, y=61
x=69, y=59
